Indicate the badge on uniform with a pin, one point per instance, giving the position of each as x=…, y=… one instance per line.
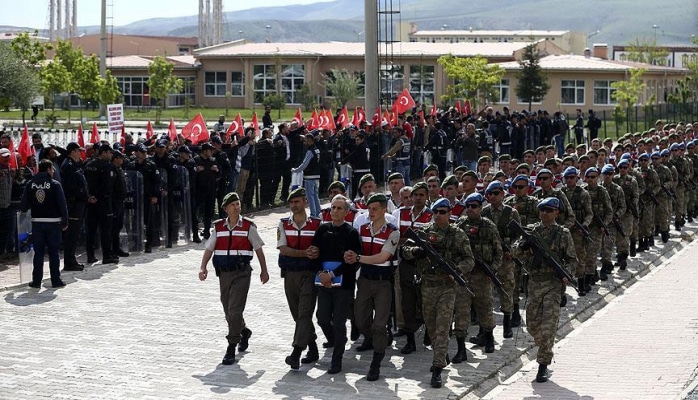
x=473, y=230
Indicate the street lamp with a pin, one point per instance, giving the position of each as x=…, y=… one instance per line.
x=655, y=27
x=268, y=28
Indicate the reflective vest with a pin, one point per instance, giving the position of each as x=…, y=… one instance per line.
x=299, y=239
x=406, y=221
x=373, y=245
x=233, y=248
x=456, y=211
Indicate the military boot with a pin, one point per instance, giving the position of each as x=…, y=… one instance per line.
x=294, y=360
x=229, y=357
x=641, y=246
x=507, y=326
x=480, y=339
x=649, y=241
x=656, y=230
x=336, y=363
x=582, y=286
x=461, y=355
x=411, y=346
x=374, y=370
x=665, y=236
x=632, y=249
x=588, y=281
x=543, y=373
x=677, y=226
x=436, y=377
x=312, y=355
x=366, y=345
x=489, y=342
x=606, y=268
x=623, y=261
x=516, y=317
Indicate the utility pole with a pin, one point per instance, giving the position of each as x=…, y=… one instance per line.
x=103, y=51
x=371, y=50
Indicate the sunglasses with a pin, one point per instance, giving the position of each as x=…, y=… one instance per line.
x=472, y=206
x=494, y=193
x=441, y=211
x=592, y=176
x=546, y=209
x=520, y=186
x=544, y=178
x=623, y=167
x=570, y=177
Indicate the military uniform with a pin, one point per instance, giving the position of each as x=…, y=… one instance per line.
x=691, y=197
x=631, y=193
x=566, y=217
x=582, y=211
x=661, y=214
x=684, y=172
x=641, y=186
x=603, y=209
x=617, y=196
x=649, y=176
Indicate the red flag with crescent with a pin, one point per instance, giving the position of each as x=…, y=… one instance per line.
x=386, y=117
x=326, y=120
x=298, y=118
x=359, y=116
x=236, y=127
x=81, y=142
x=123, y=136
x=343, y=118
x=314, y=121
x=172, y=131
x=393, y=119
x=255, y=124
x=94, y=138
x=196, y=130
x=457, y=106
x=466, y=108
x=376, y=120
x=433, y=110
x=403, y=102
x=25, y=149
x=13, y=156
x=149, y=130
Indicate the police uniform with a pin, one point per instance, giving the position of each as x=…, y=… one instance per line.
x=76, y=195
x=100, y=177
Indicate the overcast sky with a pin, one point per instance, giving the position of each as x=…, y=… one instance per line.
x=34, y=13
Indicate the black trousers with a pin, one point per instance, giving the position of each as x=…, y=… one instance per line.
x=117, y=225
x=207, y=200
x=99, y=215
x=76, y=214
x=332, y=312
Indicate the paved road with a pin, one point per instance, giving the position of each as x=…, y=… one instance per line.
x=148, y=328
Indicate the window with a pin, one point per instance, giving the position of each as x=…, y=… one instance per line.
x=237, y=84
x=519, y=100
x=186, y=95
x=503, y=90
x=422, y=83
x=292, y=79
x=572, y=92
x=214, y=84
x=264, y=80
x=135, y=90
x=603, y=93
x=392, y=81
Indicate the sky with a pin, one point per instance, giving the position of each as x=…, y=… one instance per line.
x=34, y=13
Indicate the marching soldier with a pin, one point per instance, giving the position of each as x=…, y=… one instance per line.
x=617, y=196
x=647, y=199
x=628, y=183
x=566, y=215
x=661, y=214
x=685, y=172
x=602, y=214
x=582, y=213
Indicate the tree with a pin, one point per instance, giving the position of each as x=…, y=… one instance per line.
x=109, y=91
x=55, y=79
x=162, y=82
x=87, y=82
x=30, y=50
x=305, y=97
x=342, y=85
x=691, y=62
x=627, y=93
x=19, y=81
x=275, y=100
x=532, y=82
x=646, y=51
x=474, y=78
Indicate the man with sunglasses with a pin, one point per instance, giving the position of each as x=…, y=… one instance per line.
x=501, y=214
x=582, y=212
x=485, y=243
x=647, y=208
x=602, y=210
x=615, y=193
x=545, y=179
x=545, y=288
x=661, y=215
x=628, y=184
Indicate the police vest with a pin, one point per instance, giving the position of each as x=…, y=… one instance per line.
x=404, y=153
x=299, y=239
x=373, y=245
x=406, y=221
x=312, y=171
x=233, y=249
x=456, y=211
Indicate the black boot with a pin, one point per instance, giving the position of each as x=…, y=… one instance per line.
x=312, y=355
x=410, y=347
x=588, y=280
x=677, y=226
x=354, y=331
x=641, y=245
x=507, y=326
x=516, y=317
x=461, y=355
x=478, y=340
x=656, y=230
x=623, y=261
x=632, y=248
x=336, y=364
x=294, y=359
x=196, y=238
x=229, y=357
x=582, y=291
x=375, y=369
x=650, y=241
x=606, y=268
x=436, y=377
x=543, y=373
x=489, y=342
x=245, y=340
x=665, y=236
x=366, y=345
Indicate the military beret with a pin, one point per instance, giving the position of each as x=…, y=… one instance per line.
x=449, y=180
x=570, y=171
x=505, y=157
x=229, y=198
x=549, y=161
x=474, y=197
x=529, y=151
x=461, y=168
x=420, y=185
x=592, y=170
x=430, y=167
x=366, y=178
x=525, y=166
x=608, y=140
x=568, y=159
x=337, y=185
x=664, y=140
x=545, y=171
x=440, y=203
x=624, y=163
x=626, y=156
x=395, y=175
x=520, y=178
x=569, y=146
x=644, y=156
x=494, y=185
x=581, y=146
x=682, y=146
x=664, y=153
x=499, y=174
x=550, y=202
x=484, y=159
x=299, y=192
x=608, y=169
x=376, y=197
x=655, y=154
x=584, y=158
x=691, y=144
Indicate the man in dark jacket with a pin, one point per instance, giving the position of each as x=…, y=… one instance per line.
x=76, y=196
x=100, y=180
x=207, y=174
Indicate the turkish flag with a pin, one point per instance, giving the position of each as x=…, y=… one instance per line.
x=433, y=110
x=457, y=106
x=94, y=138
x=298, y=118
x=393, y=119
x=123, y=136
x=376, y=120
x=359, y=116
x=81, y=142
x=255, y=124
x=236, y=127
x=326, y=120
x=421, y=118
x=466, y=108
x=386, y=117
x=25, y=149
x=149, y=130
x=343, y=118
x=314, y=121
x=171, y=131
x=13, y=155
x=196, y=130
x=403, y=102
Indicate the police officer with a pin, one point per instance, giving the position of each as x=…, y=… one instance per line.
x=44, y=196
x=76, y=196
x=151, y=191
x=438, y=289
x=207, y=174
x=186, y=161
x=100, y=176
x=166, y=162
x=117, y=201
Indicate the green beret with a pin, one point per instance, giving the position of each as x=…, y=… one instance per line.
x=420, y=185
x=471, y=174
x=395, y=175
x=529, y=151
x=652, y=130
x=569, y=159
x=337, y=185
x=449, y=180
x=377, y=197
x=366, y=178
x=581, y=146
x=608, y=140
x=524, y=166
x=499, y=174
x=299, y=192
x=484, y=159
x=430, y=167
x=569, y=146
x=229, y=198
x=549, y=161
x=540, y=148
x=462, y=168
x=505, y=157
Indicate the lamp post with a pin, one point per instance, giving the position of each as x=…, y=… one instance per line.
x=268, y=28
x=655, y=27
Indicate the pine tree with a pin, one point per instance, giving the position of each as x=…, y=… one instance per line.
x=533, y=84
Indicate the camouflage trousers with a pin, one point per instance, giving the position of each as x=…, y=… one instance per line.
x=506, y=275
x=399, y=320
x=646, y=218
x=543, y=314
x=661, y=213
x=592, y=249
x=580, y=245
x=439, y=296
x=680, y=200
x=622, y=243
x=690, y=200
x=482, y=287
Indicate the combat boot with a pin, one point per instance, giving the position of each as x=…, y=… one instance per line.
x=312, y=355
x=689, y=217
x=461, y=355
x=229, y=358
x=516, y=317
x=410, y=347
x=366, y=345
x=632, y=249
x=656, y=230
x=641, y=246
x=606, y=268
x=489, y=342
x=436, y=377
x=650, y=241
x=336, y=363
x=623, y=261
x=543, y=373
x=245, y=339
x=480, y=339
x=294, y=359
x=375, y=369
x=507, y=326
x=677, y=226
x=588, y=281
x=665, y=236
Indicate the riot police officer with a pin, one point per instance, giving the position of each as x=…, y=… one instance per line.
x=100, y=177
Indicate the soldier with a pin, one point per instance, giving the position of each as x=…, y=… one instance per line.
x=661, y=214
x=692, y=199
x=628, y=183
x=76, y=196
x=396, y=181
x=100, y=175
x=501, y=214
x=207, y=174
x=545, y=178
x=295, y=235
x=485, y=244
x=617, y=196
x=151, y=192
x=582, y=212
x=437, y=287
x=450, y=190
x=647, y=199
x=374, y=294
x=234, y=241
x=544, y=286
x=685, y=172
x=671, y=185
x=634, y=170
x=366, y=186
x=602, y=214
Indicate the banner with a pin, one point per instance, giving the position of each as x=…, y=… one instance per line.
x=115, y=118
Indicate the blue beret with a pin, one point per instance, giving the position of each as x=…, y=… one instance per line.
x=544, y=171
x=644, y=156
x=570, y=171
x=494, y=185
x=590, y=171
x=682, y=146
x=521, y=177
x=442, y=202
x=626, y=156
x=674, y=146
x=624, y=162
x=474, y=197
x=664, y=152
x=692, y=143
x=608, y=169
x=655, y=154
x=552, y=202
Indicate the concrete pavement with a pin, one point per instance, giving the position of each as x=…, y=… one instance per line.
x=148, y=328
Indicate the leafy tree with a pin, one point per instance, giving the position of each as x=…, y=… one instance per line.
x=30, y=50
x=277, y=101
x=532, y=83
x=691, y=62
x=87, y=82
x=19, y=81
x=342, y=85
x=627, y=93
x=55, y=79
x=474, y=78
x=109, y=92
x=305, y=97
x=646, y=51
x=162, y=82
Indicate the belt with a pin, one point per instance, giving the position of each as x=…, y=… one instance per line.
x=376, y=277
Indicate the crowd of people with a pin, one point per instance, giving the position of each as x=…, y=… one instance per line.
x=498, y=196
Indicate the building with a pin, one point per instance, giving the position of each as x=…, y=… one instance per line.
x=676, y=56
x=126, y=45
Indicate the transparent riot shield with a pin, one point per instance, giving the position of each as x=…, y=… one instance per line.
x=345, y=175
x=180, y=210
x=160, y=214
x=24, y=246
x=296, y=180
x=133, y=232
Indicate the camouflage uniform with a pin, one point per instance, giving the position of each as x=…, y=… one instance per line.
x=581, y=208
x=602, y=207
x=501, y=217
x=685, y=171
x=649, y=176
x=566, y=217
x=671, y=185
x=692, y=198
x=661, y=214
x=628, y=184
x=438, y=289
x=528, y=215
x=635, y=172
x=615, y=193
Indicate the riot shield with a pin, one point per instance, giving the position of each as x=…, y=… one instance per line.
x=160, y=215
x=133, y=232
x=24, y=246
x=180, y=210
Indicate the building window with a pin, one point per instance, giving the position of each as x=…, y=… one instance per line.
x=186, y=95
x=292, y=79
x=135, y=90
x=503, y=90
x=422, y=83
x=264, y=81
x=392, y=81
x=603, y=93
x=214, y=84
x=572, y=92
x=237, y=84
